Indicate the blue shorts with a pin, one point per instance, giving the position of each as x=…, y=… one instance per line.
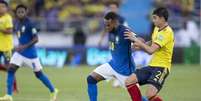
x=152, y=75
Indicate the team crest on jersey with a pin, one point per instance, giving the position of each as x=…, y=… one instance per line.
x=160, y=37
x=116, y=39
x=23, y=29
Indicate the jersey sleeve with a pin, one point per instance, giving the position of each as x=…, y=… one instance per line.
x=33, y=29
x=162, y=39
x=9, y=22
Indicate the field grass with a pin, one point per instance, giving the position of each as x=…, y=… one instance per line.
x=183, y=84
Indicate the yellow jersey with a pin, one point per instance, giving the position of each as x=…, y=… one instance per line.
x=163, y=56
x=6, y=40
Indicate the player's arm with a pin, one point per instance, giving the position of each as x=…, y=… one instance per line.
x=34, y=36
x=7, y=31
x=32, y=42
x=149, y=49
x=8, y=26
x=135, y=46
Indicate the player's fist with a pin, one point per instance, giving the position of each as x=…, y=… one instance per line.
x=130, y=35
x=136, y=45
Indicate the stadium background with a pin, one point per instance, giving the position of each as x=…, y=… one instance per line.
x=68, y=34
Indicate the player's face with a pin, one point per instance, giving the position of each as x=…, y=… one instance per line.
x=3, y=8
x=109, y=25
x=21, y=13
x=156, y=20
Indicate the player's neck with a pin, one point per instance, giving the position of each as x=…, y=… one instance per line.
x=22, y=19
x=162, y=26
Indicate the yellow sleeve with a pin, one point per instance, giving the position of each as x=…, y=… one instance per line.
x=162, y=39
x=9, y=22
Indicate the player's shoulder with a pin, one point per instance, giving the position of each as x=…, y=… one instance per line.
x=121, y=19
x=168, y=29
x=156, y=28
x=8, y=16
x=168, y=32
x=123, y=28
x=30, y=22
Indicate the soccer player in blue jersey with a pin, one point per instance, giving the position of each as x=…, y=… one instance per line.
x=120, y=66
x=25, y=53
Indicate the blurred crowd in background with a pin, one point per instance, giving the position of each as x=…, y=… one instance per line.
x=67, y=15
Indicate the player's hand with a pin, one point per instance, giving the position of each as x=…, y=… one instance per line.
x=130, y=35
x=131, y=79
x=20, y=48
x=136, y=45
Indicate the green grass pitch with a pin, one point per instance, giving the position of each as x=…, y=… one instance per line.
x=183, y=84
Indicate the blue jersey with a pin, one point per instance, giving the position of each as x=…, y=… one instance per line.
x=26, y=31
x=122, y=61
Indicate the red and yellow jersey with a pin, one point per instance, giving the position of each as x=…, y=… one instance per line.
x=6, y=40
x=163, y=56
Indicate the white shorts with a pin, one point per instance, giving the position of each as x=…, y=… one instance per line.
x=108, y=72
x=19, y=60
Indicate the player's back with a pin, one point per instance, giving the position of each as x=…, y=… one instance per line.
x=25, y=31
x=122, y=61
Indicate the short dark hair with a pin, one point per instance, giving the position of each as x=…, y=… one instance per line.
x=3, y=2
x=161, y=12
x=21, y=6
x=111, y=15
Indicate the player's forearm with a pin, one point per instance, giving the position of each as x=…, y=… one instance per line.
x=7, y=31
x=32, y=42
x=147, y=48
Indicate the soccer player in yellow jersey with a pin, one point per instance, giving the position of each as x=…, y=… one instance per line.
x=161, y=48
x=6, y=39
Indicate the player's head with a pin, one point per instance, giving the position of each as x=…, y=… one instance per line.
x=3, y=7
x=111, y=21
x=114, y=6
x=21, y=11
x=160, y=16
